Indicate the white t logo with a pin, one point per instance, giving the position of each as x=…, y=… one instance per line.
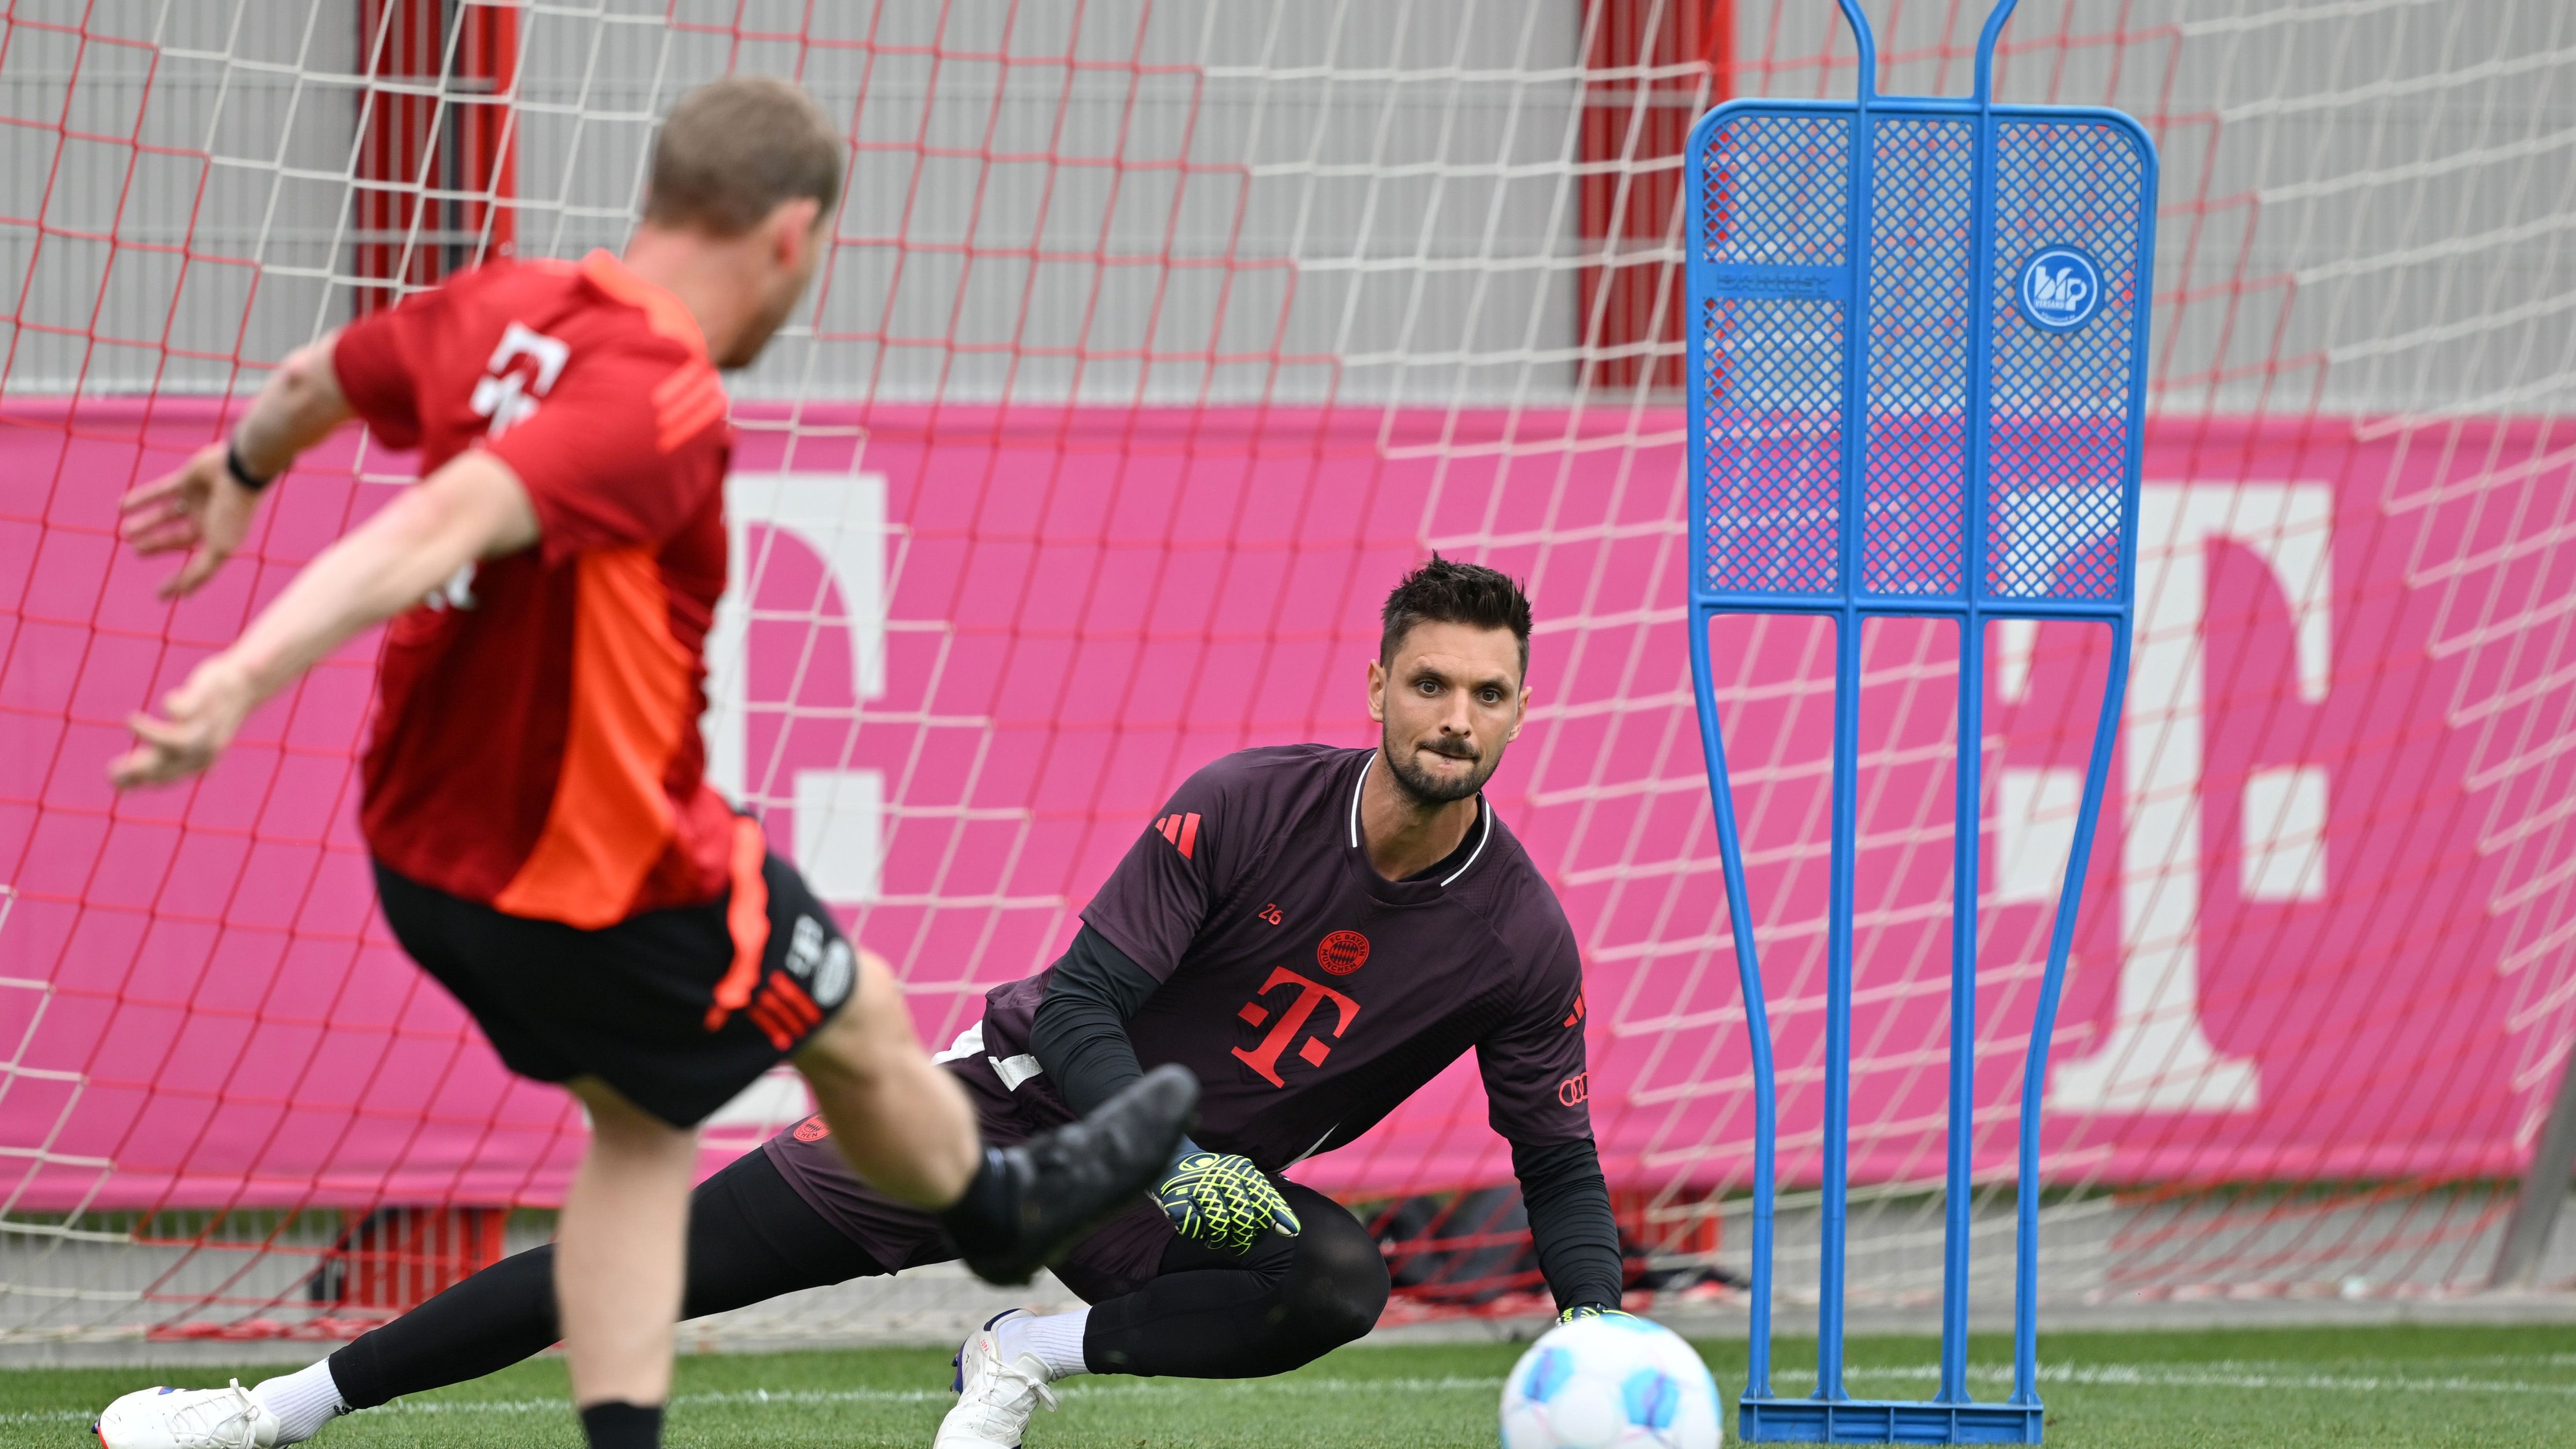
x=841, y=518
x=506, y=397
x=2156, y=1057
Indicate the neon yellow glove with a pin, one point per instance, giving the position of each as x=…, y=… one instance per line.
x=1591, y=1310
x=1220, y=1200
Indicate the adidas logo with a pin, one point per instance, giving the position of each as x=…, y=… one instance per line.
x=1181, y=830
x=783, y=1012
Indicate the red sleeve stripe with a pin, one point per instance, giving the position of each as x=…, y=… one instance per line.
x=687, y=401
x=1181, y=830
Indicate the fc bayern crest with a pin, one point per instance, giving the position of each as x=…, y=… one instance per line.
x=1342, y=952
x=2060, y=288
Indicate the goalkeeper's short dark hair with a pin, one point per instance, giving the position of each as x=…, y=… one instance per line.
x=1444, y=591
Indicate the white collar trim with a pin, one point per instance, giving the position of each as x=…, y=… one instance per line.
x=1356, y=786
x=1484, y=822
x=1484, y=829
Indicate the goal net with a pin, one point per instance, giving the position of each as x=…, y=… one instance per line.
x=1154, y=340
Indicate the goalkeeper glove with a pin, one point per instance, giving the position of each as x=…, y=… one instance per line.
x=1220, y=1200
x=1591, y=1310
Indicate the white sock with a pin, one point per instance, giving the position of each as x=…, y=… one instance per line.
x=1053, y=1339
x=303, y=1401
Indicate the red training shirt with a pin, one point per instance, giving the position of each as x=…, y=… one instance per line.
x=536, y=738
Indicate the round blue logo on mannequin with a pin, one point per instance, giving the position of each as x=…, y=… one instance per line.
x=2060, y=289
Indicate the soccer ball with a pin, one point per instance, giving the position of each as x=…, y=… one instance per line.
x=1610, y=1383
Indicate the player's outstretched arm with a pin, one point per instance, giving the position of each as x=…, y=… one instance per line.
x=472, y=508
x=205, y=507
x=1571, y=1225
x=1540, y=1095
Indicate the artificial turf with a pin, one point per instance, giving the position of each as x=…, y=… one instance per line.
x=2340, y=1387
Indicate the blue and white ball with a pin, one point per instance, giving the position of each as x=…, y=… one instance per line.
x=1610, y=1383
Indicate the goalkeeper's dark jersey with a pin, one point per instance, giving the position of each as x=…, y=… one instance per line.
x=1309, y=993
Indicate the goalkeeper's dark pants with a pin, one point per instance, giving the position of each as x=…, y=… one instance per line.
x=1207, y=1315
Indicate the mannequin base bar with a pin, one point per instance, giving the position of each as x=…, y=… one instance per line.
x=1874, y=1421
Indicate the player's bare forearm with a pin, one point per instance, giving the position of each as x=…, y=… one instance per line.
x=473, y=508
x=297, y=407
x=203, y=508
x=405, y=552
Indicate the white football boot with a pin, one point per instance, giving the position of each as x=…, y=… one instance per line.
x=995, y=1400
x=187, y=1419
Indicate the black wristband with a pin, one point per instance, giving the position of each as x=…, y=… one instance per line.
x=241, y=474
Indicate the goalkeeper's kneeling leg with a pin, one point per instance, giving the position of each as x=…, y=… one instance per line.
x=1334, y=1289
x=1286, y=1303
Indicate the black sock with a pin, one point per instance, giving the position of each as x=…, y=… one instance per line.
x=617, y=1424
x=986, y=1217
x=489, y=1321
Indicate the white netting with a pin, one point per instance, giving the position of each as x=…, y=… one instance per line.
x=1156, y=338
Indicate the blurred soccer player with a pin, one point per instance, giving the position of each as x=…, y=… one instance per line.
x=545, y=843
x=1314, y=933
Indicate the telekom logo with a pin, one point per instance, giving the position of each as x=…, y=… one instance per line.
x=508, y=395
x=2156, y=1057
x=1310, y=995
x=841, y=520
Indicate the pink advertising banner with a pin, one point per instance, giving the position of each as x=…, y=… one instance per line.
x=2325, y=927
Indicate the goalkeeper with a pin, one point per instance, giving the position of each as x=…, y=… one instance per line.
x=1315, y=932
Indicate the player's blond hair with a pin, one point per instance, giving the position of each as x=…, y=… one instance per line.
x=733, y=149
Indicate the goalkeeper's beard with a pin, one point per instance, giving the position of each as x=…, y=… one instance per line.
x=1425, y=788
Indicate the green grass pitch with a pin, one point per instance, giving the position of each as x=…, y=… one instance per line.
x=2285, y=1388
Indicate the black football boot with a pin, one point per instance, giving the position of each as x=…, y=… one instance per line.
x=1029, y=1203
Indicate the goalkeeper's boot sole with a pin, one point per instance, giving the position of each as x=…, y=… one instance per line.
x=164, y=1418
x=996, y=1398
x=1072, y=1179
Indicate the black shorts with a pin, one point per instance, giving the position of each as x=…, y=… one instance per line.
x=656, y=1006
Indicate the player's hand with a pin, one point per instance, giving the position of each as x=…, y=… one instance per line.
x=1591, y=1310
x=199, y=508
x=197, y=720
x=1220, y=1200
